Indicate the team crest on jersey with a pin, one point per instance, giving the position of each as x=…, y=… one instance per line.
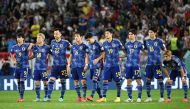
x=43, y=50
x=155, y=43
x=81, y=47
x=113, y=45
x=94, y=47
x=135, y=46
x=61, y=45
x=23, y=49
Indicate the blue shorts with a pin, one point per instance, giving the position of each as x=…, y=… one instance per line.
x=133, y=72
x=112, y=73
x=95, y=74
x=78, y=73
x=21, y=73
x=154, y=71
x=40, y=75
x=59, y=72
x=177, y=73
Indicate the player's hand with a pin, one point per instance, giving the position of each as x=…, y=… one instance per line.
x=95, y=61
x=85, y=68
x=14, y=62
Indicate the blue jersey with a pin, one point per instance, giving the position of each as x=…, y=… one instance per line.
x=40, y=54
x=111, y=50
x=21, y=55
x=78, y=53
x=94, y=52
x=174, y=64
x=154, y=48
x=133, y=53
x=58, y=51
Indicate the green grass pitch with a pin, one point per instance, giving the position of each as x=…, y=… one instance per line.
x=8, y=101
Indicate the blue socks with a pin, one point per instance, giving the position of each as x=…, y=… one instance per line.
x=168, y=88
x=63, y=87
x=161, y=88
x=94, y=88
x=45, y=90
x=129, y=90
x=84, y=88
x=22, y=89
x=185, y=88
x=105, y=88
x=37, y=88
x=77, y=88
x=148, y=88
x=50, y=87
x=118, y=84
x=139, y=88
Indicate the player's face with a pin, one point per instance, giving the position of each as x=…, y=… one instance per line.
x=57, y=34
x=40, y=39
x=108, y=35
x=90, y=40
x=167, y=57
x=151, y=34
x=20, y=40
x=78, y=38
x=131, y=36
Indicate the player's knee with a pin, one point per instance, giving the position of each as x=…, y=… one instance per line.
x=105, y=81
x=129, y=81
x=138, y=82
x=148, y=82
x=37, y=83
x=83, y=81
x=184, y=82
x=45, y=83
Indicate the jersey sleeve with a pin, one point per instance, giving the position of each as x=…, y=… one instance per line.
x=120, y=45
x=163, y=46
x=86, y=49
x=145, y=44
x=178, y=61
x=12, y=49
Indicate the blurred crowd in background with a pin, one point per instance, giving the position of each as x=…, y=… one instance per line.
x=171, y=17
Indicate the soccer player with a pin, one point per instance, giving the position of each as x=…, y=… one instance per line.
x=154, y=46
x=79, y=64
x=41, y=52
x=21, y=61
x=95, y=68
x=58, y=47
x=174, y=67
x=111, y=49
x=133, y=48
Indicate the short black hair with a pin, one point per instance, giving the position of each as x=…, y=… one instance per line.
x=20, y=35
x=76, y=32
x=153, y=28
x=110, y=30
x=57, y=29
x=133, y=31
x=88, y=35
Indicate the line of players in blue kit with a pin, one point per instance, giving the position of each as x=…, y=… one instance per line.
x=95, y=57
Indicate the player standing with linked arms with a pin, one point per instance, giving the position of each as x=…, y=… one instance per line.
x=59, y=47
x=78, y=61
x=21, y=61
x=111, y=48
x=154, y=46
x=133, y=48
x=41, y=53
